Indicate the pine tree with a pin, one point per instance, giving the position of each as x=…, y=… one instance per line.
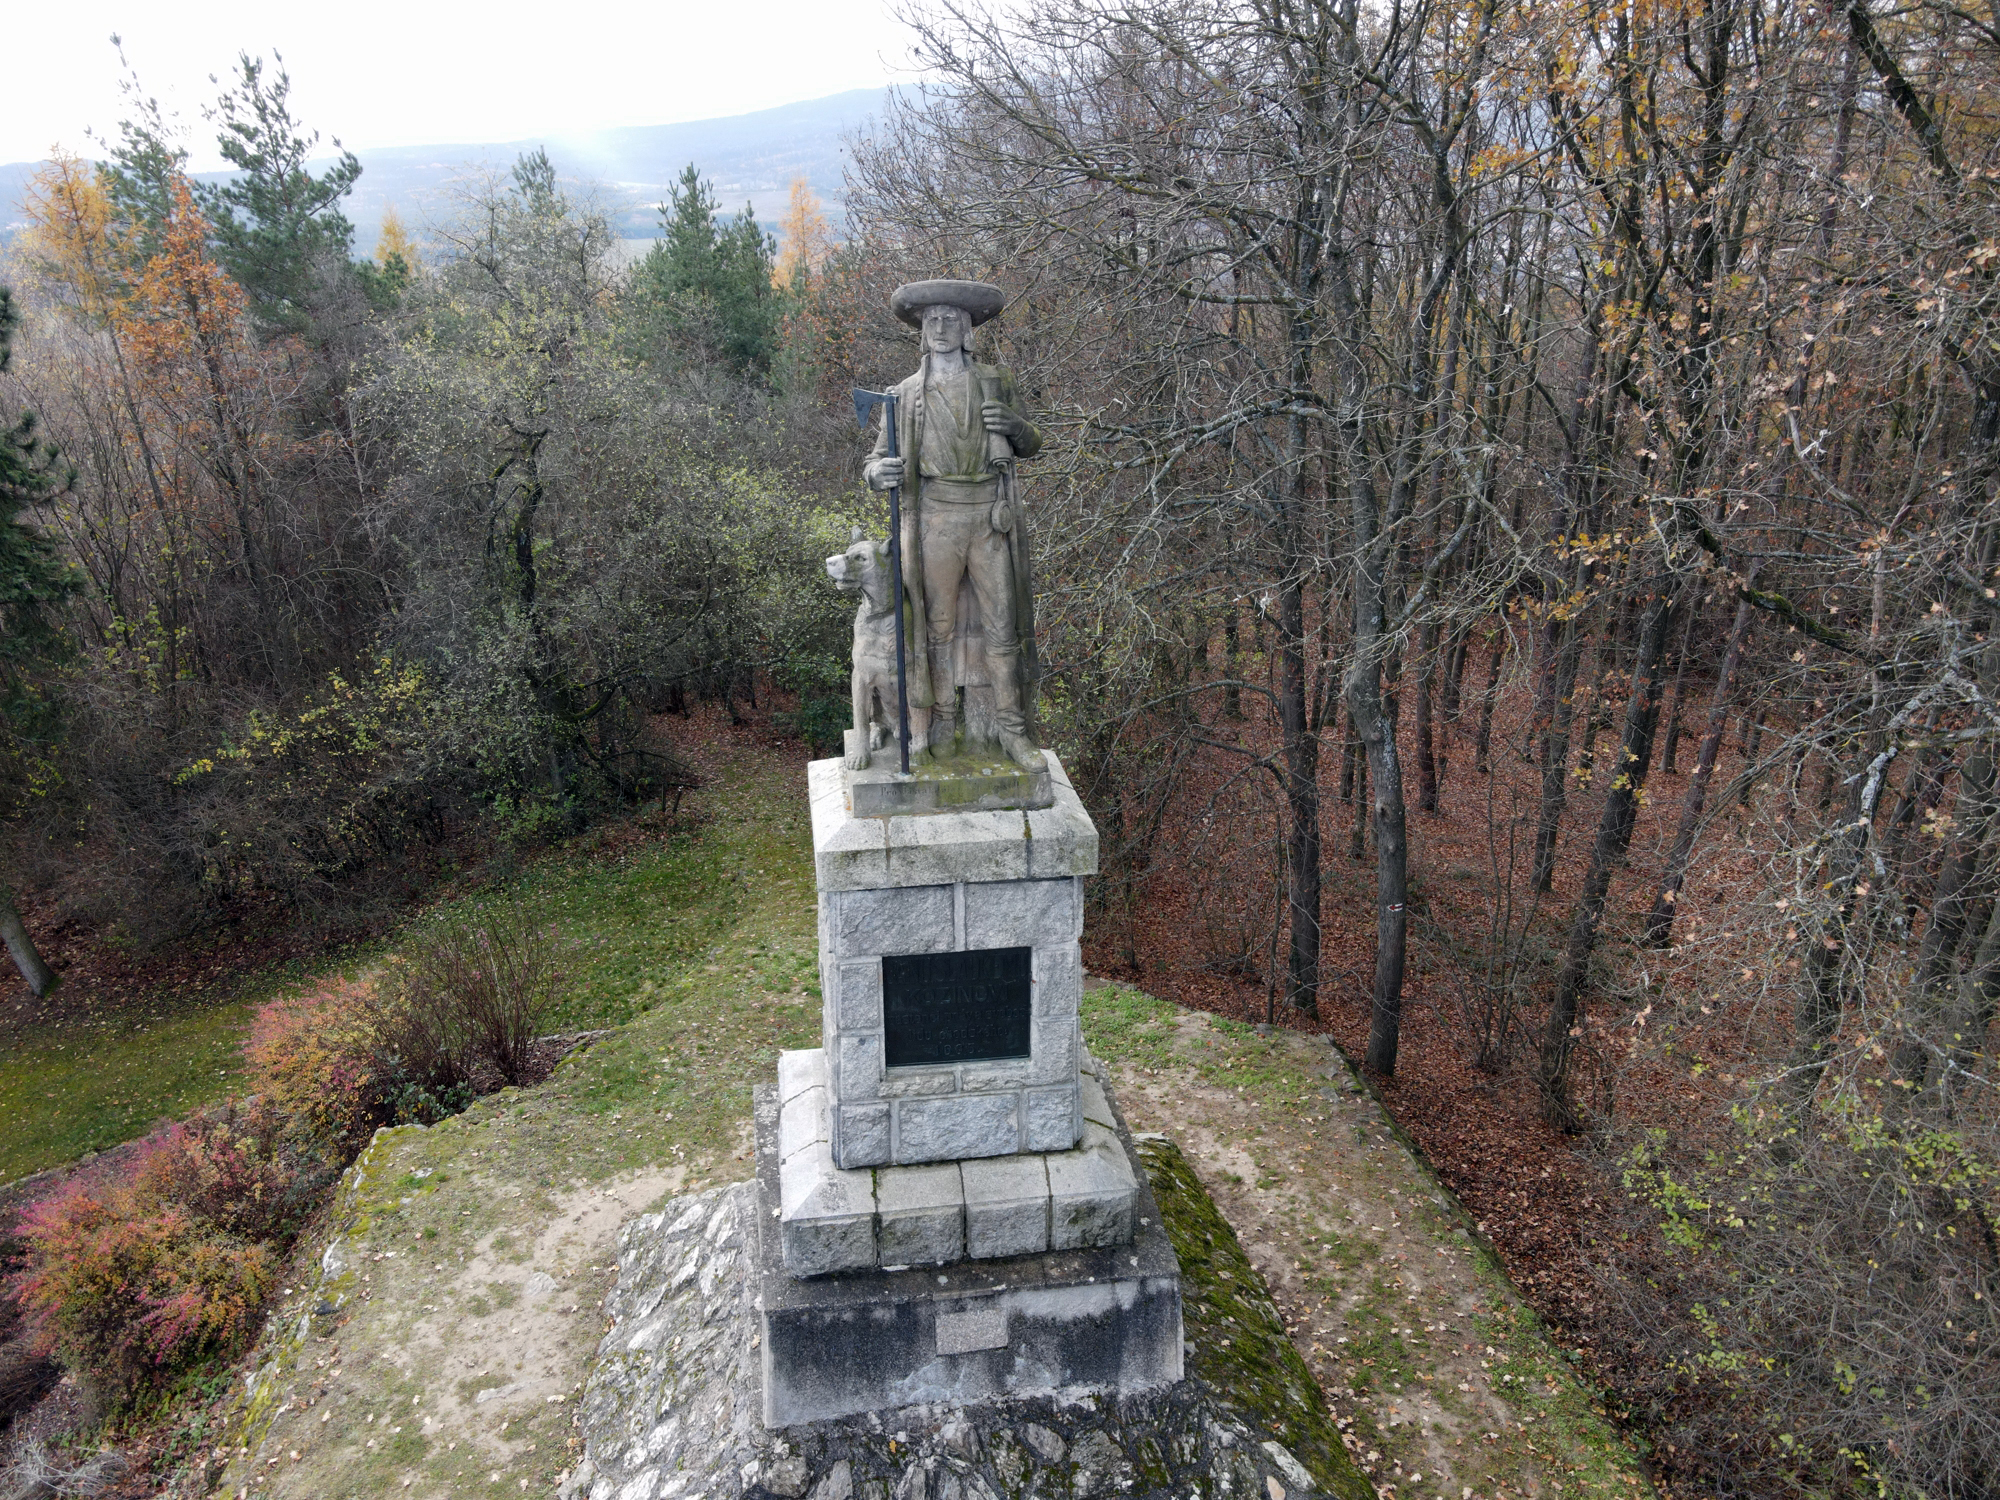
x=32, y=580
x=278, y=229
x=704, y=290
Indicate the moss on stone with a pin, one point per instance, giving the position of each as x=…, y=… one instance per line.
x=1239, y=1347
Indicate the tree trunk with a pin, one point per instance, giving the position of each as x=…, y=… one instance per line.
x=41, y=978
x=1753, y=736
x=1482, y=748
x=1561, y=646
x=1427, y=786
x=1357, y=838
x=1614, y=836
x=1232, y=665
x=1302, y=800
x=1680, y=687
x=1660, y=923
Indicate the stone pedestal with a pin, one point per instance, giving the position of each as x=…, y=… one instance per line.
x=948, y=1206
x=904, y=888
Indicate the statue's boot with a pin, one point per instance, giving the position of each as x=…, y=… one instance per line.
x=943, y=737
x=1008, y=720
x=944, y=733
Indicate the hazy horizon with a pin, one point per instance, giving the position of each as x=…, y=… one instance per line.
x=382, y=76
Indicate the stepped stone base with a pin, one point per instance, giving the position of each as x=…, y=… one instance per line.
x=832, y=1220
x=1103, y=1317
x=674, y=1407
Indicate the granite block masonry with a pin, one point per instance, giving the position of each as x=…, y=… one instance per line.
x=1055, y=1297
x=831, y=1219
x=952, y=976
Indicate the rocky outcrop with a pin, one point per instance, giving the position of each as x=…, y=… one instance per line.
x=672, y=1408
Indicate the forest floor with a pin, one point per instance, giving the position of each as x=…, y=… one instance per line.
x=1549, y=1203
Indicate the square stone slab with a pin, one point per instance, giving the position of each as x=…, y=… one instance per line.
x=961, y=784
x=858, y=854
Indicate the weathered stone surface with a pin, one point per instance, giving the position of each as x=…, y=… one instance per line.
x=827, y=1215
x=851, y=853
x=672, y=1408
x=1054, y=1122
x=802, y=1122
x=858, y=996
x=862, y=1134
x=1006, y=1206
x=798, y=1071
x=959, y=784
x=1082, y=1180
x=1091, y=1195
x=893, y=919
x=920, y=1215
x=1023, y=913
x=1097, y=1318
x=956, y=1127
x=1058, y=980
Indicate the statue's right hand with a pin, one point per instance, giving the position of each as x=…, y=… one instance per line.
x=884, y=473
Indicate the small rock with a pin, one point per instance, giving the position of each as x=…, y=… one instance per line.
x=1048, y=1447
x=1294, y=1471
x=958, y=1436
x=540, y=1284
x=837, y=1484
x=1101, y=1465
x=788, y=1477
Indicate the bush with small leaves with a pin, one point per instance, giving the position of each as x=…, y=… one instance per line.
x=136, y=1277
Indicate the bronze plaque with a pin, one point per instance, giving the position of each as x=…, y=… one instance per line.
x=956, y=1007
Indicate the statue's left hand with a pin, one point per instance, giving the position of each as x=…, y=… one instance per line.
x=998, y=419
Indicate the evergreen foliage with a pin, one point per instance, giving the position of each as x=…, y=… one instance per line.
x=278, y=229
x=706, y=285
x=32, y=577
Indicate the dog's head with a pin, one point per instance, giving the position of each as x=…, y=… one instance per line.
x=851, y=570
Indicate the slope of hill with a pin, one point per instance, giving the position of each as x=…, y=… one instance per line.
x=750, y=158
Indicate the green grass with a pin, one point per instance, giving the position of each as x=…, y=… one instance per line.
x=642, y=922
x=90, y=1088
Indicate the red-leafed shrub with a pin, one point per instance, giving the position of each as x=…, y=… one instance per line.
x=314, y=1059
x=352, y=1055
x=137, y=1276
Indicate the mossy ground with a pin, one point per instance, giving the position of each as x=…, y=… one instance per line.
x=470, y=1260
x=1441, y=1381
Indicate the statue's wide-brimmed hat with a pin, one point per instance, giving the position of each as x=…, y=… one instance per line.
x=978, y=299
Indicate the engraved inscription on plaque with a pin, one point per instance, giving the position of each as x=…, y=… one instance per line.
x=956, y=1007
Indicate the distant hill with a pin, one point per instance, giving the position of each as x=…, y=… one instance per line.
x=751, y=158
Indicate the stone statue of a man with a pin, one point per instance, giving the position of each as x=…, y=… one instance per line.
x=965, y=545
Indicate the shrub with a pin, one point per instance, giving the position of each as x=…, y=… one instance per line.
x=352, y=1056
x=1820, y=1298
x=314, y=1059
x=136, y=1277
x=494, y=978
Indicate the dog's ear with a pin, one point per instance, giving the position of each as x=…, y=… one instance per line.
x=858, y=534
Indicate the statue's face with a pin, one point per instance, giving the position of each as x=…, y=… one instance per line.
x=946, y=329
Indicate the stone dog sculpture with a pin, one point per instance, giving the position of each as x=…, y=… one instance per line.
x=864, y=569
x=959, y=431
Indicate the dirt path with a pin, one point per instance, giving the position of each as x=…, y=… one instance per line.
x=1443, y=1380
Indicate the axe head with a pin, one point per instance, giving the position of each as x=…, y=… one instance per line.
x=866, y=401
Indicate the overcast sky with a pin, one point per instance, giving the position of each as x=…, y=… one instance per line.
x=413, y=72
